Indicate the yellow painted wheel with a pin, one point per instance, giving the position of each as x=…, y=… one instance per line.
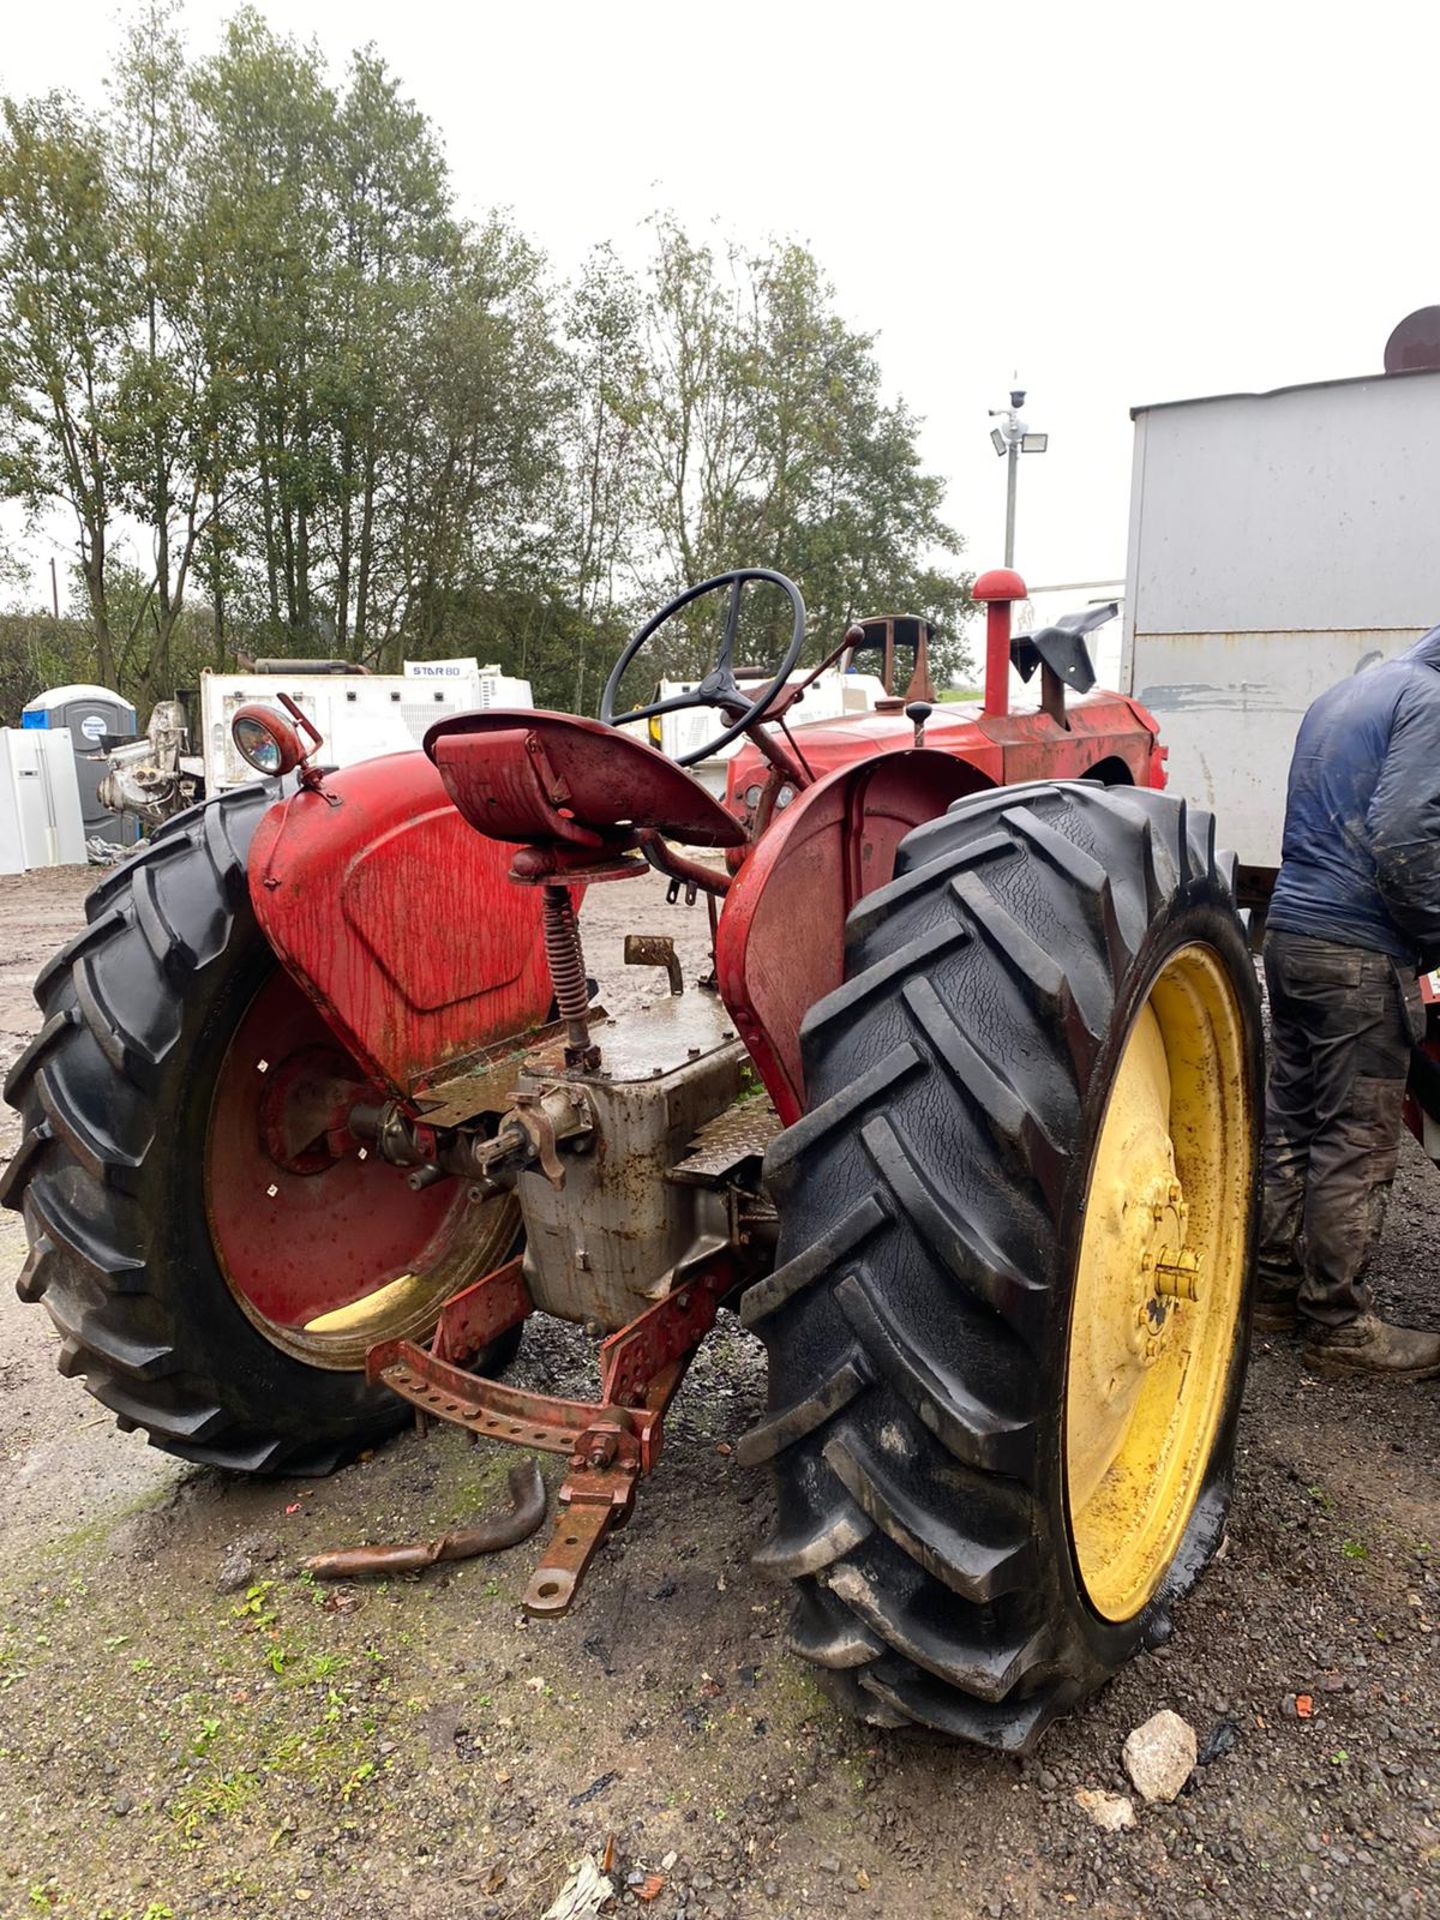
x=1156, y=1318
x=1006, y=1322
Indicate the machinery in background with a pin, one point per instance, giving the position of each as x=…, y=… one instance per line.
x=152, y=777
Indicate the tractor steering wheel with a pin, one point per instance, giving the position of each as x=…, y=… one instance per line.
x=719, y=688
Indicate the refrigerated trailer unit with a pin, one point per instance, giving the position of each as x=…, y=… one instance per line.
x=1278, y=542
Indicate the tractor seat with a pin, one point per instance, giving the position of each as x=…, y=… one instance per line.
x=553, y=779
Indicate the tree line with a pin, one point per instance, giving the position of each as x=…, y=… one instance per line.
x=292, y=402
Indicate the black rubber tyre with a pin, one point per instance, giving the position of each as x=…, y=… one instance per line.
x=114, y=1095
x=931, y=1209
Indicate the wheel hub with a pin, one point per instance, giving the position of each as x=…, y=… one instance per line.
x=1159, y=1283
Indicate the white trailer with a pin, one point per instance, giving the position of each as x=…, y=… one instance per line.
x=359, y=714
x=1278, y=542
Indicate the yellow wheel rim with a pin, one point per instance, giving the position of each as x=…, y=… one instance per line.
x=1161, y=1281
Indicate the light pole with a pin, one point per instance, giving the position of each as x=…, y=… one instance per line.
x=1010, y=439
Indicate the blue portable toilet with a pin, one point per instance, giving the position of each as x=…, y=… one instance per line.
x=90, y=713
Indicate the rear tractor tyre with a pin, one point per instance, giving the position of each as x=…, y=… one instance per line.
x=1008, y=1323
x=218, y=1300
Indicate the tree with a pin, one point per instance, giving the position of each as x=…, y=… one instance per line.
x=600, y=526
x=764, y=439
x=66, y=312
x=168, y=427
x=264, y=168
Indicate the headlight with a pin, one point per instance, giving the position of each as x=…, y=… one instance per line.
x=264, y=740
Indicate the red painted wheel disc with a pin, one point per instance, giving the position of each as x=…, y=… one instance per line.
x=327, y=1255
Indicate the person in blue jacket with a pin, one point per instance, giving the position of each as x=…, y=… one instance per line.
x=1355, y=913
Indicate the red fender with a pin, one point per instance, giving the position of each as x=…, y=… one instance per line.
x=398, y=919
x=781, y=942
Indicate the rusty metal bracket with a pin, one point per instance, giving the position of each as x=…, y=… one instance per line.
x=598, y=1495
x=592, y=1502
x=664, y=1333
x=471, y=1319
x=609, y=1443
x=489, y=1407
x=655, y=950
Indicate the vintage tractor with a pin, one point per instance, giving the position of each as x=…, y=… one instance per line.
x=962, y=1122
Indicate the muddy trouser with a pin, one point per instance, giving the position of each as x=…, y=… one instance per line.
x=1342, y=1022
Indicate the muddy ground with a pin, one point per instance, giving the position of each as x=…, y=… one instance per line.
x=171, y=1749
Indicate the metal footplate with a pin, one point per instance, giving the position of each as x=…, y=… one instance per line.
x=739, y=1134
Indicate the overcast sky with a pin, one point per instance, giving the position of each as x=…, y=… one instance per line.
x=1127, y=204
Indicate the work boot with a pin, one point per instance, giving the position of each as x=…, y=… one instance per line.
x=1276, y=1309
x=1369, y=1345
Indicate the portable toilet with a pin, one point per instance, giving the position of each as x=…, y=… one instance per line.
x=90, y=713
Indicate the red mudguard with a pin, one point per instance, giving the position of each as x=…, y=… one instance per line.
x=781, y=945
x=398, y=920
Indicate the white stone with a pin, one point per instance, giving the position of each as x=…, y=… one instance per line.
x=1160, y=1755
x=1111, y=1812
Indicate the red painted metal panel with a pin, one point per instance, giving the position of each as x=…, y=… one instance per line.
x=1100, y=727
x=781, y=938
x=397, y=918
x=1004, y=747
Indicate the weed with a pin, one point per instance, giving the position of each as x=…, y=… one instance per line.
x=357, y=1780
x=212, y=1800
x=324, y=1666
x=1354, y=1550
x=255, y=1609
x=209, y=1731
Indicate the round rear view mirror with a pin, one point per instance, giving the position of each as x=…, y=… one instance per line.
x=265, y=740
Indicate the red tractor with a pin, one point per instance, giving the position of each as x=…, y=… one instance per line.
x=962, y=1122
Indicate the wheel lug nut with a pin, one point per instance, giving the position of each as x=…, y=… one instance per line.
x=1177, y=1274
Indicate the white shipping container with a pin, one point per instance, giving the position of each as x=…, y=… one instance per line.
x=1278, y=542
x=41, y=824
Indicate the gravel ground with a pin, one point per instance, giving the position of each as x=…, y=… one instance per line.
x=169, y=1748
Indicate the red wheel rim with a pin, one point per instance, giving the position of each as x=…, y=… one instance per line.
x=328, y=1255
